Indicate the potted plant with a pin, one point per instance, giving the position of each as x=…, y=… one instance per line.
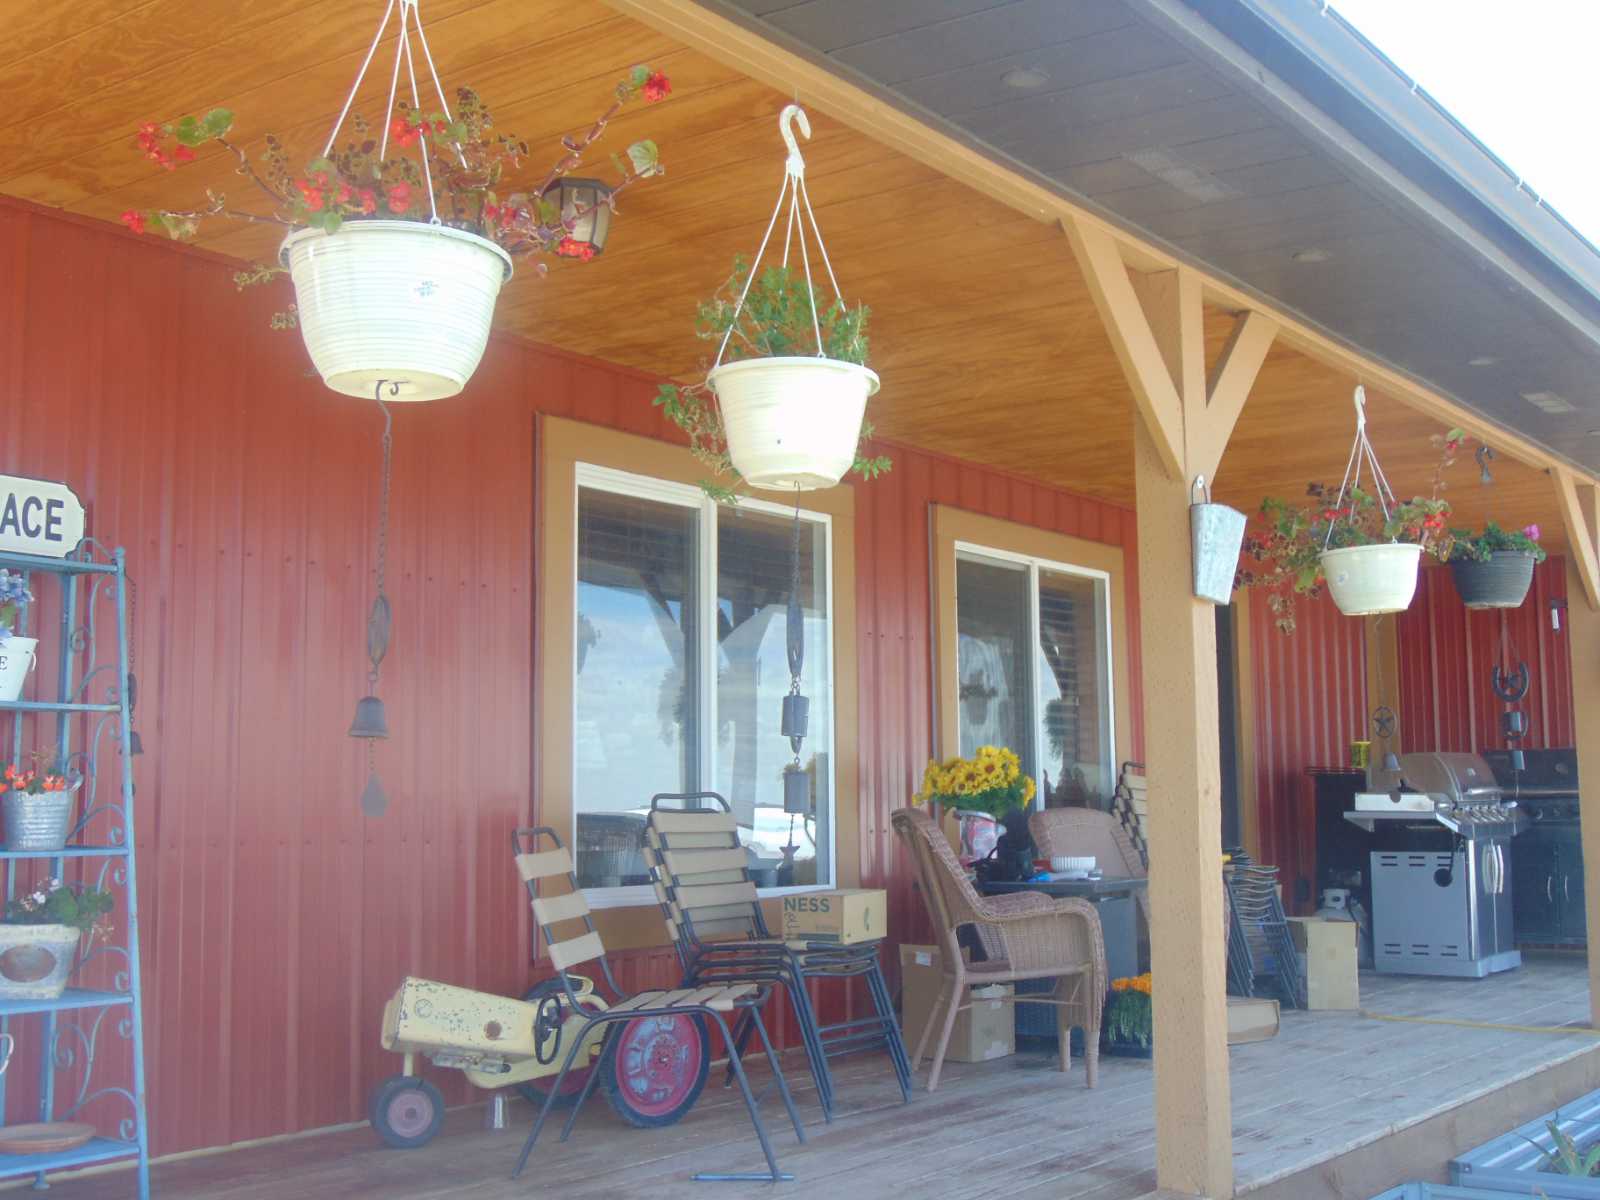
x=16, y=652
x=1125, y=1025
x=981, y=790
x=773, y=414
x=37, y=803
x=396, y=256
x=1366, y=558
x=40, y=934
x=1494, y=569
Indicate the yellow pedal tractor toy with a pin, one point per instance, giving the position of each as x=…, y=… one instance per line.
x=652, y=1071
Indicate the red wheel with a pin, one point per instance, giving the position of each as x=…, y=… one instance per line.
x=655, y=1069
x=534, y=1092
x=406, y=1111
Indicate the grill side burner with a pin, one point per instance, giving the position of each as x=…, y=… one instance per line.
x=1441, y=872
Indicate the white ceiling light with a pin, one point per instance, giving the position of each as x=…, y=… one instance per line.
x=1550, y=402
x=1483, y=360
x=1311, y=254
x=1025, y=79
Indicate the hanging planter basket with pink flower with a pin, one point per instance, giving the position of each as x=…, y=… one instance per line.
x=403, y=234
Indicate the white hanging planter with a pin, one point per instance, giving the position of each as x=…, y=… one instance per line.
x=1366, y=580
x=792, y=423
x=404, y=303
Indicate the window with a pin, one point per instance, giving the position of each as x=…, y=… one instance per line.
x=680, y=670
x=1032, y=667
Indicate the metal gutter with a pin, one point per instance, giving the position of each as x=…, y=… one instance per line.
x=1340, y=77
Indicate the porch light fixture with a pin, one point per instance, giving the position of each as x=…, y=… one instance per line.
x=1311, y=254
x=586, y=203
x=1482, y=360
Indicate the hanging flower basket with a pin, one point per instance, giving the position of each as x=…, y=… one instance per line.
x=405, y=229
x=398, y=302
x=792, y=423
x=1366, y=580
x=768, y=413
x=1501, y=582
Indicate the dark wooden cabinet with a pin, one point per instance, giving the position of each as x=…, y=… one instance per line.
x=1547, y=886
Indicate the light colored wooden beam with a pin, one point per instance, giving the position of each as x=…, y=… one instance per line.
x=796, y=71
x=1231, y=380
x=1148, y=371
x=1580, y=512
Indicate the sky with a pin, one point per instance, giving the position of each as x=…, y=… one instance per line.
x=1522, y=75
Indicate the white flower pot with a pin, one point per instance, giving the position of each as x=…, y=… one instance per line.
x=1365, y=580
x=792, y=422
x=16, y=660
x=400, y=302
x=35, y=960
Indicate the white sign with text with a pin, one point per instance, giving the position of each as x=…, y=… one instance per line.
x=39, y=517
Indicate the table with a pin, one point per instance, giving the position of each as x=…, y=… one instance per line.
x=1114, y=901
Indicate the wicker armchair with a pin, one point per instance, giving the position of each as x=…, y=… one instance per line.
x=1026, y=935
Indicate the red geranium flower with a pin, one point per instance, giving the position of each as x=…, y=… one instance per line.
x=399, y=198
x=572, y=248
x=134, y=220
x=369, y=201
x=657, y=87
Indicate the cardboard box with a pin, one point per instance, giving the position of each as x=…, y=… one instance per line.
x=1251, y=1020
x=1328, y=950
x=846, y=915
x=986, y=1030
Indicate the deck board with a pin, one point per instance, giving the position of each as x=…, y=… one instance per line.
x=1018, y=1127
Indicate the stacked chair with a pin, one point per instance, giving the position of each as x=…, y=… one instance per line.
x=1262, y=959
x=709, y=1003
x=710, y=905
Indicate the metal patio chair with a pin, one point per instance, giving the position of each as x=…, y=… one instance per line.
x=1026, y=936
x=713, y=912
x=709, y=1002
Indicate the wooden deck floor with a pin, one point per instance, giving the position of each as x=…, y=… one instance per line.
x=1013, y=1128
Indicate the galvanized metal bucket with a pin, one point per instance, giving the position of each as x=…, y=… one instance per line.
x=38, y=821
x=1216, y=532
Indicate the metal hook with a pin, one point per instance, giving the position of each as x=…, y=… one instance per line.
x=792, y=115
x=1361, y=408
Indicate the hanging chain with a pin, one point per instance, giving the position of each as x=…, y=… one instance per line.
x=794, y=623
x=378, y=623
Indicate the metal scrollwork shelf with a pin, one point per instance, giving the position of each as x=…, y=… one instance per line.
x=88, y=725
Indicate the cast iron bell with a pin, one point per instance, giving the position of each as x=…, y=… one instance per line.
x=370, y=721
x=135, y=746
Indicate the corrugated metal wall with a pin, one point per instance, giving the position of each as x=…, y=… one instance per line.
x=1310, y=702
x=277, y=918
x=1447, y=655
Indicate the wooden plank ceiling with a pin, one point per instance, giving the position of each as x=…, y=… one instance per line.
x=987, y=341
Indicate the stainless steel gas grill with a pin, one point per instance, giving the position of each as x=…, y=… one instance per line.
x=1441, y=874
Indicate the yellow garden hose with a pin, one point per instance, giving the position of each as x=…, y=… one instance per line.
x=1555, y=1029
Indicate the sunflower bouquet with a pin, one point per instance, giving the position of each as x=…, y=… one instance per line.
x=991, y=781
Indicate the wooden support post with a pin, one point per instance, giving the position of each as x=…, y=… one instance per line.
x=1188, y=951
x=1580, y=512
x=1156, y=326
x=1383, y=683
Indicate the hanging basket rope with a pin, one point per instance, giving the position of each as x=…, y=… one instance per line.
x=1361, y=455
x=791, y=421
x=793, y=189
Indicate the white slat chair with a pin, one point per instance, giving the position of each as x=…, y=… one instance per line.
x=542, y=859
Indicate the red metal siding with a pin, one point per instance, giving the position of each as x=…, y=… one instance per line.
x=1447, y=655
x=1310, y=695
x=277, y=918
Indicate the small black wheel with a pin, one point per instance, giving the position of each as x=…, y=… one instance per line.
x=654, y=1068
x=535, y=1091
x=407, y=1111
